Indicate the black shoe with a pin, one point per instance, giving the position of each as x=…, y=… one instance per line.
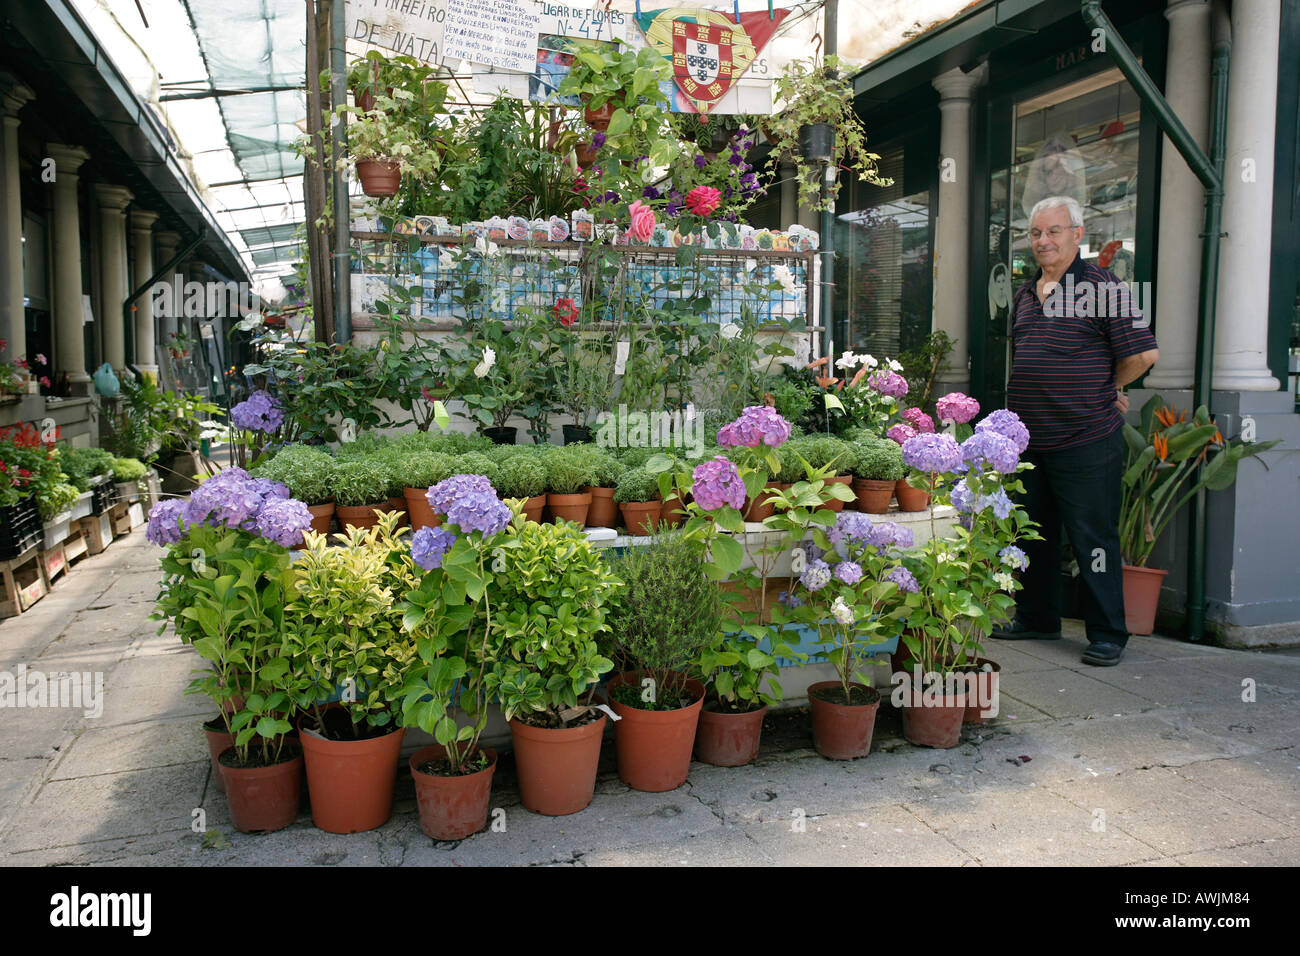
x=1016, y=631
x=1103, y=654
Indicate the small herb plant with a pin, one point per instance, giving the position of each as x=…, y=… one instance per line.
x=878, y=459
x=423, y=469
x=636, y=485
x=569, y=469
x=521, y=476
x=359, y=481
x=307, y=471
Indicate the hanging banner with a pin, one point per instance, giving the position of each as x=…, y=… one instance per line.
x=409, y=29
x=709, y=50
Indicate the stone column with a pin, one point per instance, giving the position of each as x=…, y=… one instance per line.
x=952, y=222
x=142, y=245
x=1241, y=330
x=1182, y=197
x=168, y=244
x=12, y=323
x=113, y=201
x=70, y=341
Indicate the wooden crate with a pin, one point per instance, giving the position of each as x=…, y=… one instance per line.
x=136, y=514
x=98, y=530
x=121, y=518
x=22, y=583
x=54, y=561
x=76, y=546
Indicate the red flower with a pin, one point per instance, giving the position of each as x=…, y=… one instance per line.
x=702, y=200
x=566, y=312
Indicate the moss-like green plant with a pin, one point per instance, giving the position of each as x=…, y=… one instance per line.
x=521, y=476
x=360, y=481
x=82, y=464
x=569, y=469
x=421, y=469
x=606, y=469
x=366, y=443
x=128, y=469
x=636, y=484
x=307, y=471
x=475, y=463
x=878, y=460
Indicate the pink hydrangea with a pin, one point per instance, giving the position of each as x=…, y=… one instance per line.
x=757, y=425
x=919, y=420
x=888, y=383
x=716, y=483
x=957, y=408
x=901, y=433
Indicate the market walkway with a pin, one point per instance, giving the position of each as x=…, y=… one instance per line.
x=1159, y=761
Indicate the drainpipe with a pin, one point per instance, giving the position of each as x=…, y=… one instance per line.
x=830, y=27
x=1209, y=170
x=342, y=214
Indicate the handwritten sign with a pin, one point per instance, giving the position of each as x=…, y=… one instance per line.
x=501, y=34
x=583, y=23
x=410, y=28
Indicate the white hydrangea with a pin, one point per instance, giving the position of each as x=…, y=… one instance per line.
x=483, y=367
x=729, y=331
x=842, y=612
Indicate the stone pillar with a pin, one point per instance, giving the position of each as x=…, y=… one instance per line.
x=12, y=323
x=113, y=201
x=70, y=341
x=1241, y=330
x=142, y=245
x=1182, y=197
x=952, y=223
x=168, y=244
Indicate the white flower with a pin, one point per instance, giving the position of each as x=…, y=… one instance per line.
x=446, y=260
x=868, y=360
x=1004, y=580
x=842, y=612
x=648, y=174
x=729, y=331
x=489, y=359
x=847, y=360
x=783, y=275
x=895, y=365
x=484, y=247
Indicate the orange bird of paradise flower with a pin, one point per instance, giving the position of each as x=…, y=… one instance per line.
x=1166, y=416
x=1162, y=447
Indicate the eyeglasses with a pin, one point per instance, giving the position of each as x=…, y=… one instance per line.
x=1053, y=233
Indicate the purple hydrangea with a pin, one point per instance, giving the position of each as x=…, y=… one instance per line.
x=992, y=449
x=480, y=511
x=283, y=520
x=962, y=498
x=850, y=572
x=956, y=407
x=716, y=483
x=816, y=576
x=227, y=499
x=810, y=551
x=904, y=578
x=166, y=522
x=789, y=600
x=430, y=545
x=442, y=495
x=932, y=452
x=260, y=412
x=888, y=383
x=1008, y=423
x=919, y=420
x=901, y=433
x=851, y=528
x=757, y=425
x=1013, y=557
x=1001, y=504
x=268, y=488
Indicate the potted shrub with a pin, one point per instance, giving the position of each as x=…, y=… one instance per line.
x=388, y=141
x=127, y=475
x=553, y=593
x=523, y=476
x=390, y=460
x=734, y=669
x=877, y=464
x=606, y=470
x=308, y=473
x=568, y=471
x=420, y=471
x=360, y=489
x=637, y=496
x=350, y=661
x=668, y=611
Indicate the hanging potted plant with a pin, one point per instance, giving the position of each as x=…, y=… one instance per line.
x=308, y=473
x=637, y=497
x=553, y=592
x=351, y=658
x=387, y=142
x=818, y=127
x=668, y=612
x=360, y=490
x=523, y=476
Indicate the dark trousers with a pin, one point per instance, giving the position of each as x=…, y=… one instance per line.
x=1079, y=488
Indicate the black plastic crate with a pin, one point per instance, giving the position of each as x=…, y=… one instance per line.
x=20, y=528
x=104, y=495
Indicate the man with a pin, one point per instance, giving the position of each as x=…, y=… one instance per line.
x=1076, y=341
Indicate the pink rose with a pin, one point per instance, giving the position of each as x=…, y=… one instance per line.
x=643, y=222
x=702, y=200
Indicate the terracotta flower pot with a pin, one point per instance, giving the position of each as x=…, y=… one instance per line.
x=586, y=155
x=262, y=799
x=672, y=511
x=654, y=746
x=603, y=512
x=873, y=496
x=569, y=507
x=534, y=507
x=418, y=509
x=842, y=731
x=452, y=808
x=934, y=723
x=640, y=517
x=986, y=692
x=321, y=517
x=398, y=505
x=219, y=740
x=351, y=781
x=557, y=766
x=1142, y=597
x=599, y=119
x=759, y=506
x=379, y=178
x=909, y=498
x=727, y=739
x=835, y=504
x=359, y=516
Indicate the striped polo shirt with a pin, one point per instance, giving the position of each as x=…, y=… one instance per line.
x=1064, y=352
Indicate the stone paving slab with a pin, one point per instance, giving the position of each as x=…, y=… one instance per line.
x=1066, y=693
x=1264, y=853
x=1268, y=782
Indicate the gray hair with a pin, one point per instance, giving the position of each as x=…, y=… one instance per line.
x=1055, y=202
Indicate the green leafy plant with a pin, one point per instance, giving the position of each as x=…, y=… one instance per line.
x=635, y=485
x=82, y=464
x=521, y=476
x=359, y=481
x=307, y=471
x=423, y=469
x=877, y=459
x=569, y=469
x=129, y=469
x=475, y=463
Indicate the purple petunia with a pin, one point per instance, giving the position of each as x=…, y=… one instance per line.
x=260, y=412
x=901, y=433
x=757, y=425
x=816, y=576
x=957, y=408
x=283, y=520
x=992, y=449
x=888, y=383
x=716, y=483
x=850, y=572
x=650, y=192
x=166, y=522
x=701, y=162
x=1008, y=423
x=597, y=140
x=904, y=578
x=444, y=493
x=430, y=545
x=919, y=420
x=932, y=453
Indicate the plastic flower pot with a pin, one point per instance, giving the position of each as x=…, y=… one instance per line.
x=379, y=178
x=835, y=504
x=359, y=516
x=640, y=517
x=986, y=691
x=727, y=739
x=501, y=436
x=576, y=434
x=1142, y=597
x=909, y=498
x=603, y=512
x=557, y=766
x=418, y=509
x=219, y=741
x=654, y=746
x=533, y=508
x=351, y=781
x=817, y=142
x=262, y=799
x=452, y=808
x=569, y=507
x=873, y=496
x=842, y=730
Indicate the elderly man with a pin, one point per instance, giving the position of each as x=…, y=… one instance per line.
x=1076, y=341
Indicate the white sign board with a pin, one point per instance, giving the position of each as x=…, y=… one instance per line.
x=407, y=28
x=584, y=23
x=498, y=33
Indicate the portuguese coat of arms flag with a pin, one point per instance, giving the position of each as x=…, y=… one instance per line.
x=709, y=50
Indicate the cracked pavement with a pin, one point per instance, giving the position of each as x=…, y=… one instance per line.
x=1157, y=762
